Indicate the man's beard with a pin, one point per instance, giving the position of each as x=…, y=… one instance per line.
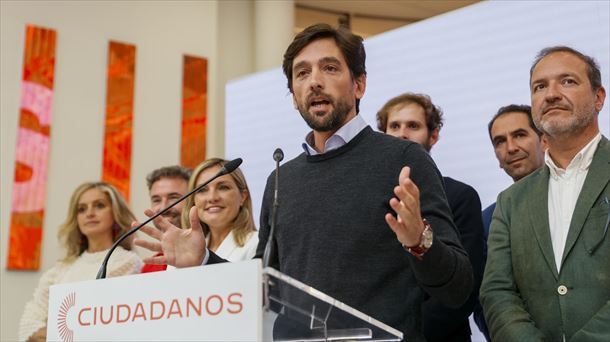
x=576, y=122
x=426, y=145
x=333, y=121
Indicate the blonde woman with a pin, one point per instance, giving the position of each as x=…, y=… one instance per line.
x=97, y=217
x=224, y=208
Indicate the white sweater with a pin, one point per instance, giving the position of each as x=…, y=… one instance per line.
x=85, y=267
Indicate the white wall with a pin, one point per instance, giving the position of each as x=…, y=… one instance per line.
x=470, y=61
x=475, y=60
x=162, y=33
x=222, y=31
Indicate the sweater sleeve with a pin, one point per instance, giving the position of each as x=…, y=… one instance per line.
x=466, y=208
x=35, y=313
x=445, y=272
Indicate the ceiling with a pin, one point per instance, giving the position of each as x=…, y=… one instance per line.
x=368, y=17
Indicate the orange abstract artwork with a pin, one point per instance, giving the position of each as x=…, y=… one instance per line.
x=119, y=116
x=194, y=110
x=32, y=150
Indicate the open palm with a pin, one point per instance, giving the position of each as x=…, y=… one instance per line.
x=180, y=247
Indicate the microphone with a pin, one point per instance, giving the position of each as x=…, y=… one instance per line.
x=278, y=156
x=226, y=169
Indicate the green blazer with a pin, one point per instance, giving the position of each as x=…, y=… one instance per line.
x=523, y=296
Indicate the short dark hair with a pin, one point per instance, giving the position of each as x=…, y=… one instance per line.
x=434, y=115
x=174, y=171
x=350, y=45
x=593, y=72
x=525, y=109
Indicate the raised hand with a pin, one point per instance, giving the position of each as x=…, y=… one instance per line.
x=180, y=247
x=408, y=225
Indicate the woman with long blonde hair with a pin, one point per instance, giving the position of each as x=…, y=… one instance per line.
x=97, y=216
x=224, y=208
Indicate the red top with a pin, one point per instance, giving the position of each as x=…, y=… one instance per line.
x=147, y=268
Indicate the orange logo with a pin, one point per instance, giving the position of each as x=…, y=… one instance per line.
x=110, y=314
x=65, y=332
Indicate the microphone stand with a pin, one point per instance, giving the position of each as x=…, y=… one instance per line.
x=278, y=155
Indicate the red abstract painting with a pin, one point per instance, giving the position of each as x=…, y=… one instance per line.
x=119, y=116
x=32, y=150
x=194, y=111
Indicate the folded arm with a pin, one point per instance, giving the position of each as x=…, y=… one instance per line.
x=505, y=312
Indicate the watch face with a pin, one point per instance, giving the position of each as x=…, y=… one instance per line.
x=427, y=238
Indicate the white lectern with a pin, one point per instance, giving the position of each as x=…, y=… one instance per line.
x=221, y=302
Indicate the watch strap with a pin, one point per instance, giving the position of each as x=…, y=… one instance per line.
x=419, y=250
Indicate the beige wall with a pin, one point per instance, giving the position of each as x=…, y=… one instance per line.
x=162, y=33
x=222, y=31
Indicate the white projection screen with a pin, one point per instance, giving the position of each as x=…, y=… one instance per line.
x=470, y=61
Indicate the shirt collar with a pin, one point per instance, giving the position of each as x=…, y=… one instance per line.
x=581, y=161
x=341, y=137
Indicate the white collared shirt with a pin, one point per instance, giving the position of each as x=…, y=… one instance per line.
x=229, y=250
x=564, y=189
x=341, y=137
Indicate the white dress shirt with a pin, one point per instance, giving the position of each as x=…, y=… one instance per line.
x=564, y=188
x=229, y=250
x=341, y=137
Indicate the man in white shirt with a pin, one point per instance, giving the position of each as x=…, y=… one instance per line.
x=548, y=269
x=165, y=186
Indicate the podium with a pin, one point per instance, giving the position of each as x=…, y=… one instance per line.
x=221, y=302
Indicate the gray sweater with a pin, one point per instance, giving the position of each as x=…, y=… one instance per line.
x=331, y=232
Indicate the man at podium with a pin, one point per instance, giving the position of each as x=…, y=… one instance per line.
x=363, y=217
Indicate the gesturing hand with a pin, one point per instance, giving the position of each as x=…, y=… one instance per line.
x=408, y=225
x=180, y=247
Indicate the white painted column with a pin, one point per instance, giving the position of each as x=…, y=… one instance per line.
x=274, y=25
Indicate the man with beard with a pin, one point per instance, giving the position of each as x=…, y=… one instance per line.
x=363, y=217
x=518, y=146
x=414, y=117
x=548, y=268
x=165, y=186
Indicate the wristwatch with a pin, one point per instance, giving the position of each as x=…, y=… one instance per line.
x=424, y=245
